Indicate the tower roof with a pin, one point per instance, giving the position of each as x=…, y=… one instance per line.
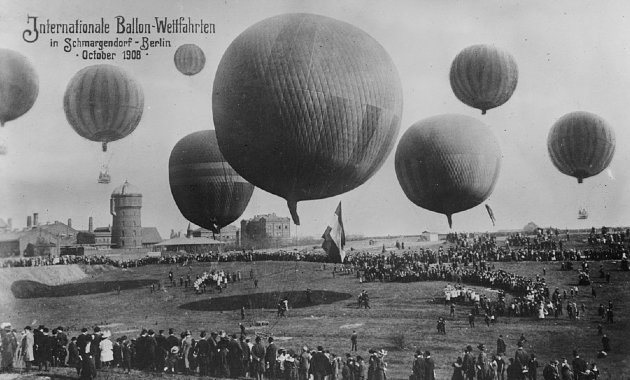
x=126, y=189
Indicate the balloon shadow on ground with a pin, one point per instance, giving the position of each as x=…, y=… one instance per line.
x=270, y=300
x=33, y=289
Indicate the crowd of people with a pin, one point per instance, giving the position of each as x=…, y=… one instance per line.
x=221, y=355
x=216, y=354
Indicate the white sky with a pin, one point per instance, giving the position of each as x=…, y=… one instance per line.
x=572, y=55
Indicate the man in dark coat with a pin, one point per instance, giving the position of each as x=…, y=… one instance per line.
x=141, y=350
x=8, y=346
x=213, y=354
x=246, y=356
x=44, y=349
x=82, y=341
x=74, y=360
x=605, y=343
x=320, y=365
x=418, y=366
x=521, y=358
x=95, y=347
x=258, y=359
x=579, y=366
x=271, y=354
x=151, y=345
x=161, y=351
x=501, y=347
x=429, y=366
x=203, y=354
x=235, y=357
x=469, y=363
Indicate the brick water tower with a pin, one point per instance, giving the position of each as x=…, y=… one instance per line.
x=125, y=206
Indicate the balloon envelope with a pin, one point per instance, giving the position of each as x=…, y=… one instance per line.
x=306, y=107
x=103, y=103
x=483, y=76
x=189, y=59
x=19, y=85
x=206, y=189
x=581, y=144
x=448, y=163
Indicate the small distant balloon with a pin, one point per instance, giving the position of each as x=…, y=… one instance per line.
x=581, y=144
x=19, y=85
x=448, y=163
x=189, y=59
x=483, y=76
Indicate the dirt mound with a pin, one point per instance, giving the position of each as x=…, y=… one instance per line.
x=34, y=289
x=49, y=275
x=297, y=300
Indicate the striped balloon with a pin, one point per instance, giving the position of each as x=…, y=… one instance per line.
x=19, y=85
x=483, y=76
x=189, y=59
x=103, y=103
x=581, y=144
x=206, y=189
x=306, y=106
x=448, y=163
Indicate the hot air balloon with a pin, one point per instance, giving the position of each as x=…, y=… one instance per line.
x=103, y=103
x=483, y=76
x=19, y=87
x=306, y=107
x=581, y=144
x=206, y=189
x=448, y=163
x=189, y=59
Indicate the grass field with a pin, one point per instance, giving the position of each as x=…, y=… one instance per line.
x=401, y=314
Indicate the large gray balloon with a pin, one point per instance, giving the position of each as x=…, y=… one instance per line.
x=306, y=107
x=448, y=163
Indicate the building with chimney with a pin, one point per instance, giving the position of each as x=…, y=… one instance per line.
x=37, y=239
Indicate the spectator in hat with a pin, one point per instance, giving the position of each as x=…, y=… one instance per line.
x=95, y=349
x=304, y=364
x=235, y=357
x=8, y=346
x=258, y=359
x=107, y=349
x=521, y=357
x=44, y=349
x=579, y=365
x=532, y=367
x=74, y=360
x=271, y=354
x=380, y=366
x=458, y=369
x=482, y=362
x=187, y=343
x=551, y=372
x=417, y=368
x=125, y=353
x=429, y=366
x=320, y=366
x=605, y=343
x=161, y=351
x=469, y=363
x=501, y=346
x=353, y=341
x=361, y=369
x=27, y=344
x=152, y=351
